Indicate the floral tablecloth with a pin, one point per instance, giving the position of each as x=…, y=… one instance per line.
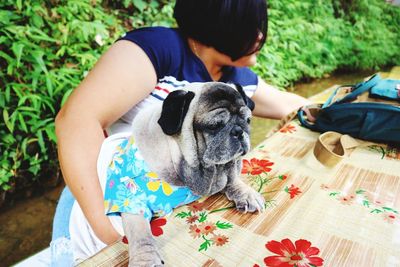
x=315, y=216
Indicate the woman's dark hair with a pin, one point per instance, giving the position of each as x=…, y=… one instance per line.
x=230, y=26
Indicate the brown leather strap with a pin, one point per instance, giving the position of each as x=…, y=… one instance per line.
x=332, y=147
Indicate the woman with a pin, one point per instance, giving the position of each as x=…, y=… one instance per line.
x=215, y=41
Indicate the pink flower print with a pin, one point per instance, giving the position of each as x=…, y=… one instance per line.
x=111, y=183
x=196, y=206
x=346, y=200
x=324, y=187
x=207, y=227
x=219, y=240
x=192, y=219
x=195, y=231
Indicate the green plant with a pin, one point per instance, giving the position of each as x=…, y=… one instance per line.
x=308, y=39
x=47, y=47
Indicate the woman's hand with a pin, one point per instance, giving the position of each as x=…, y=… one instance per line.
x=105, y=231
x=274, y=104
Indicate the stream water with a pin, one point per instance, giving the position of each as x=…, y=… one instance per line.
x=25, y=228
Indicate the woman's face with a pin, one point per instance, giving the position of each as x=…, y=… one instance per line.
x=245, y=61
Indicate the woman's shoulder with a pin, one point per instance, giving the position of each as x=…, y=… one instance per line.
x=164, y=47
x=156, y=36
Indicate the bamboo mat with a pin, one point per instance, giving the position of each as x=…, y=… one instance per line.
x=316, y=216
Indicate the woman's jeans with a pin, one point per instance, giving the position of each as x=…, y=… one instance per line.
x=61, y=247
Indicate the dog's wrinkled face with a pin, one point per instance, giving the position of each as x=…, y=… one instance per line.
x=198, y=135
x=221, y=124
x=207, y=125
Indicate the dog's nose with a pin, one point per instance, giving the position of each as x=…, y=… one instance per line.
x=237, y=131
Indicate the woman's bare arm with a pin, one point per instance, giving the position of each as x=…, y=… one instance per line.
x=122, y=77
x=275, y=104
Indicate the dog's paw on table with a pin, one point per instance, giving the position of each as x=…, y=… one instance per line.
x=246, y=199
x=145, y=254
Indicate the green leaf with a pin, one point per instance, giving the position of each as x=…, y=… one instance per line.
x=50, y=131
x=38, y=56
x=7, y=121
x=203, y=217
x=39, y=135
x=360, y=191
x=139, y=4
x=5, y=187
x=222, y=225
x=2, y=100
x=183, y=214
x=49, y=85
x=22, y=123
x=366, y=203
x=205, y=245
x=65, y=96
x=37, y=20
x=17, y=49
x=286, y=189
x=18, y=3
x=376, y=211
x=389, y=209
x=6, y=57
x=34, y=168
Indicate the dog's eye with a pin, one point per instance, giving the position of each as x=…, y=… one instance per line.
x=248, y=120
x=215, y=126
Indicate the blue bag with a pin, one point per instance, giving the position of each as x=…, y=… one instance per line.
x=369, y=110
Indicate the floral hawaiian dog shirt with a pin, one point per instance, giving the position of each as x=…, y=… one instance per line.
x=131, y=187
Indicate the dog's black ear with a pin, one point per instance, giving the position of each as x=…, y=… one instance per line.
x=174, y=110
x=249, y=103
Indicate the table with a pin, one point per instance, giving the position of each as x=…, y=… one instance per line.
x=347, y=215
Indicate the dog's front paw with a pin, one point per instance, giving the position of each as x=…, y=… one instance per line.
x=246, y=199
x=145, y=254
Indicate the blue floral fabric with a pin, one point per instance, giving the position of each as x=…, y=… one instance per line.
x=132, y=187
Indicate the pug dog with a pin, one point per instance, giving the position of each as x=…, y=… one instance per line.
x=195, y=140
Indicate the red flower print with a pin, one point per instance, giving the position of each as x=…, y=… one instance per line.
x=194, y=230
x=292, y=190
x=288, y=129
x=196, y=206
x=192, y=219
x=389, y=217
x=207, y=227
x=282, y=177
x=156, y=224
x=256, y=166
x=300, y=254
x=219, y=240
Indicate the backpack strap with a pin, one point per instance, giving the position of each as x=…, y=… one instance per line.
x=360, y=88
